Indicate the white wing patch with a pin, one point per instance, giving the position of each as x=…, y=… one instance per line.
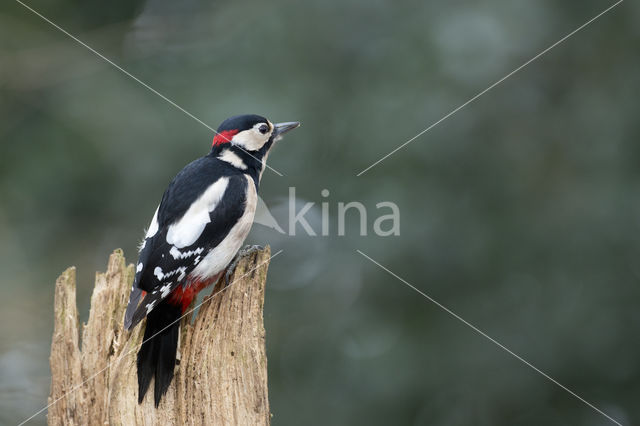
x=188, y=228
x=218, y=258
x=153, y=228
x=139, y=267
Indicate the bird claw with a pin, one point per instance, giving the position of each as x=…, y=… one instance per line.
x=249, y=250
x=242, y=253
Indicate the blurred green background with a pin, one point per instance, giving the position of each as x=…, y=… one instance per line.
x=520, y=212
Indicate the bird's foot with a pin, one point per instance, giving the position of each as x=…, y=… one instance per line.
x=242, y=253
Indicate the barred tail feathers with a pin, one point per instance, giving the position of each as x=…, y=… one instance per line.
x=157, y=354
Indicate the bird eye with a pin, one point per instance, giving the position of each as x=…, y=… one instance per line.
x=263, y=129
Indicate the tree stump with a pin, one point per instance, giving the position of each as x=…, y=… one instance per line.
x=221, y=377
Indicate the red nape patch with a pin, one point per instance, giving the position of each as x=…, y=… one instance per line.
x=183, y=295
x=224, y=137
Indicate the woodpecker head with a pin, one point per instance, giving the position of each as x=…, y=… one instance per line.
x=244, y=142
x=251, y=133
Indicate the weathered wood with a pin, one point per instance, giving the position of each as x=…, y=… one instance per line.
x=221, y=378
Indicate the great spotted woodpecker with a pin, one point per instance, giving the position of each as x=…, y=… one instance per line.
x=203, y=218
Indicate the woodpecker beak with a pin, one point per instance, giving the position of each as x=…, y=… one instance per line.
x=280, y=129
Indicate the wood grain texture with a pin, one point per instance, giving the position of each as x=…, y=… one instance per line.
x=221, y=378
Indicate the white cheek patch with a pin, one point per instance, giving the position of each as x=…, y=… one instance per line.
x=252, y=139
x=187, y=229
x=264, y=166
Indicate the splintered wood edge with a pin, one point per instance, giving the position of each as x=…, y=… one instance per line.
x=65, y=298
x=64, y=360
x=66, y=357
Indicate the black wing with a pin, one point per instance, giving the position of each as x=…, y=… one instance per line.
x=165, y=257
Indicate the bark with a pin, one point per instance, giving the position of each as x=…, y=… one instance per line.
x=221, y=377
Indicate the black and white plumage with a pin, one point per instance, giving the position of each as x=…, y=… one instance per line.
x=202, y=221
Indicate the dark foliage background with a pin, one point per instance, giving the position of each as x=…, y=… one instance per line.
x=520, y=212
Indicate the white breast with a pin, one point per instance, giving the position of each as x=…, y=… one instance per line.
x=218, y=258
